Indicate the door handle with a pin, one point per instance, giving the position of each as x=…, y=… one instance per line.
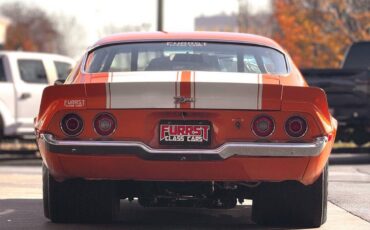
x=25, y=96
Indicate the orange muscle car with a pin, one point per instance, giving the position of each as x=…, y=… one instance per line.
x=185, y=119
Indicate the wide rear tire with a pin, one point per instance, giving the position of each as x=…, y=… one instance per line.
x=291, y=203
x=79, y=200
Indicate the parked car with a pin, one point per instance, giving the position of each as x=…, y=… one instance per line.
x=348, y=91
x=185, y=119
x=23, y=76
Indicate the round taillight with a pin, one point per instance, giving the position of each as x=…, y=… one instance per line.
x=296, y=126
x=71, y=124
x=104, y=124
x=263, y=126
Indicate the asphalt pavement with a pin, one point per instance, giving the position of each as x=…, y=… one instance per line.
x=21, y=202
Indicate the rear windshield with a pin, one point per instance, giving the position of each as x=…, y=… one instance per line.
x=197, y=56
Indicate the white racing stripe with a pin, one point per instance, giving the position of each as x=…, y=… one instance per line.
x=211, y=90
x=177, y=85
x=227, y=90
x=192, y=88
x=260, y=88
x=107, y=88
x=142, y=90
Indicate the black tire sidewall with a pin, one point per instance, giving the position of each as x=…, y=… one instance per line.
x=291, y=203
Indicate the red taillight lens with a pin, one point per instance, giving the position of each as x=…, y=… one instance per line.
x=72, y=124
x=263, y=126
x=104, y=124
x=296, y=126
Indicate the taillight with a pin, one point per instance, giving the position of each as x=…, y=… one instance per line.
x=104, y=124
x=263, y=126
x=71, y=124
x=296, y=126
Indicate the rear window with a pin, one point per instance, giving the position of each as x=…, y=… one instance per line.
x=63, y=69
x=32, y=71
x=197, y=56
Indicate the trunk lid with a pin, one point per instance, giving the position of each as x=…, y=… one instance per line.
x=192, y=90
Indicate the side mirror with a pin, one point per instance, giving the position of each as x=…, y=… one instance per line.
x=59, y=82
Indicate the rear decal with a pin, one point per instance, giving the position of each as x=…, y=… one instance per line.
x=74, y=103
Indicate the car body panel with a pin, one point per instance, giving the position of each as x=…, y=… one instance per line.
x=141, y=100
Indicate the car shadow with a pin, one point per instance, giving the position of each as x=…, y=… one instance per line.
x=21, y=213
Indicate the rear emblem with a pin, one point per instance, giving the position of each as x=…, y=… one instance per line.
x=74, y=103
x=182, y=100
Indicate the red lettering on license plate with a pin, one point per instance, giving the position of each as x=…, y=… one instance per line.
x=184, y=133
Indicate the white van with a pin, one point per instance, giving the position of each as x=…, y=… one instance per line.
x=23, y=76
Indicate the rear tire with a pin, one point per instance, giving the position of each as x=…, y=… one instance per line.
x=79, y=200
x=45, y=190
x=291, y=203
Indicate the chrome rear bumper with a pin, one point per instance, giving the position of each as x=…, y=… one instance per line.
x=255, y=149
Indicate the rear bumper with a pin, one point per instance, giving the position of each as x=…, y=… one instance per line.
x=99, y=163
x=227, y=150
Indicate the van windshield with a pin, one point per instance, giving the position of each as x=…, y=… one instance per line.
x=187, y=55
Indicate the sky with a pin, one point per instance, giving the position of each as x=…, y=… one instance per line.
x=179, y=15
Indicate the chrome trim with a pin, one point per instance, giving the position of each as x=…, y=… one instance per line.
x=256, y=149
x=182, y=100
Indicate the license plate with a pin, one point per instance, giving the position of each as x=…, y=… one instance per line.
x=178, y=132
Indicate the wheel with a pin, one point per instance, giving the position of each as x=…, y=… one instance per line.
x=360, y=136
x=45, y=190
x=291, y=203
x=79, y=200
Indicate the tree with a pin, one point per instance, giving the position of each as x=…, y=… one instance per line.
x=261, y=23
x=71, y=40
x=317, y=32
x=31, y=29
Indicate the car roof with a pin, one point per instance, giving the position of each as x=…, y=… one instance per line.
x=188, y=36
x=23, y=54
